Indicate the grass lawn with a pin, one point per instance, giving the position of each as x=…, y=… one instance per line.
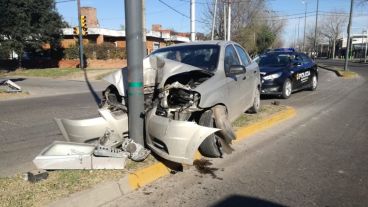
x=14, y=191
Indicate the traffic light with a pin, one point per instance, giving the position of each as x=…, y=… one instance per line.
x=75, y=30
x=83, y=20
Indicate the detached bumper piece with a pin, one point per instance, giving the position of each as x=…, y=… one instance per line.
x=88, y=129
x=177, y=141
x=67, y=155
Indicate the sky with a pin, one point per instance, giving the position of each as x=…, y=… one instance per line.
x=110, y=14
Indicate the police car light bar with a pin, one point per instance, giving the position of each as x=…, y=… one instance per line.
x=290, y=49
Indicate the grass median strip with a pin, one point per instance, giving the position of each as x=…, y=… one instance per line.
x=339, y=71
x=14, y=191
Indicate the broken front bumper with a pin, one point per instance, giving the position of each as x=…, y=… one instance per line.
x=177, y=141
x=88, y=129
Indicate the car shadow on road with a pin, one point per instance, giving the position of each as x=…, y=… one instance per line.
x=237, y=200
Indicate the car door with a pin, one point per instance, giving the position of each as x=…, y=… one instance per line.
x=301, y=73
x=310, y=66
x=248, y=85
x=233, y=83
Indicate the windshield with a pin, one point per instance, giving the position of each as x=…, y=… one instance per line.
x=274, y=59
x=201, y=56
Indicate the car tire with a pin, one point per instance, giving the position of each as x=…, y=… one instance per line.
x=256, y=103
x=210, y=147
x=287, y=88
x=314, y=83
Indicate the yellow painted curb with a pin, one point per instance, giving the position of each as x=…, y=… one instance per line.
x=251, y=129
x=151, y=173
x=147, y=175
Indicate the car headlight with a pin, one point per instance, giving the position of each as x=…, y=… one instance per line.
x=272, y=76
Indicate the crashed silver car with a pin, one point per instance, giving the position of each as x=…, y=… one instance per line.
x=192, y=91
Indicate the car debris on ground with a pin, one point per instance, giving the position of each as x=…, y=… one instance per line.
x=10, y=87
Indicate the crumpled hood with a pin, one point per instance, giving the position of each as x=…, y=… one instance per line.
x=155, y=72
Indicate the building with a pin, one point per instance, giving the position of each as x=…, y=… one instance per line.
x=156, y=38
x=357, y=47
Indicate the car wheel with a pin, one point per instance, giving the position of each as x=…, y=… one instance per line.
x=286, y=89
x=314, y=83
x=256, y=103
x=210, y=147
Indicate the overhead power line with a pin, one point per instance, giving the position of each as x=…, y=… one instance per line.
x=63, y=1
x=179, y=12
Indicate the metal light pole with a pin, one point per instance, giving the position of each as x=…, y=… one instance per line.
x=298, y=44
x=144, y=27
x=214, y=21
x=224, y=20
x=315, y=30
x=360, y=59
x=192, y=20
x=134, y=35
x=229, y=21
x=81, y=57
x=348, y=39
x=305, y=23
x=366, y=42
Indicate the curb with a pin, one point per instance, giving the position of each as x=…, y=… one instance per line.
x=109, y=191
x=330, y=69
x=338, y=72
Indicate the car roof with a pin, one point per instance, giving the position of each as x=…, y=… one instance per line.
x=206, y=42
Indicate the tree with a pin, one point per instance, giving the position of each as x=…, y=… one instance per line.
x=249, y=19
x=265, y=38
x=332, y=27
x=28, y=24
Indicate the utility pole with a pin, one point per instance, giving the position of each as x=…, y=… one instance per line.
x=144, y=27
x=229, y=21
x=305, y=23
x=81, y=57
x=192, y=20
x=134, y=35
x=214, y=20
x=224, y=20
x=348, y=40
x=366, y=44
x=298, y=44
x=315, y=30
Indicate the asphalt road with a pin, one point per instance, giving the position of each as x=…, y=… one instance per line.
x=318, y=158
x=27, y=126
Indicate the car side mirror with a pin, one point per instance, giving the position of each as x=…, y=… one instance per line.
x=236, y=70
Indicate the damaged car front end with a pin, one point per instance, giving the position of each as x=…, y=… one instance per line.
x=189, y=102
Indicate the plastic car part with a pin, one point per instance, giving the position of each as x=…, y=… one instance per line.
x=11, y=86
x=222, y=122
x=67, y=155
x=175, y=140
x=82, y=131
x=211, y=146
x=136, y=151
